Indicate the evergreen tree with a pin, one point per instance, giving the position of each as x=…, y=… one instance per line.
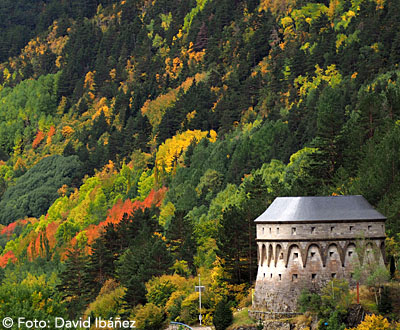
x=179, y=234
x=74, y=282
x=36, y=190
x=223, y=315
x=385, y=305
x=330, y=115
x=100, y=266
x=233, y=246
x=147, y=258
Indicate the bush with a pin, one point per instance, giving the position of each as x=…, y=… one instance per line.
x=149, y=317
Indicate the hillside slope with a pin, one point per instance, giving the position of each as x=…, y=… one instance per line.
x=144, y=137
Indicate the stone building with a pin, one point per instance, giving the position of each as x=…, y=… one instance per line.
x=307, y=241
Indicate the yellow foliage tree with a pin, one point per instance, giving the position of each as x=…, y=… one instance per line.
x=375, y=322
x=331, y=76
x=102, y=107
x=108, y=302
x=155, y=109
x=170, y=153
x=67, y=131
x=89, y=81
x=56, y=44
x=277, y=7
x=149, y=315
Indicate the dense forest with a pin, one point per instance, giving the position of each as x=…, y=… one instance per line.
x=140, y=139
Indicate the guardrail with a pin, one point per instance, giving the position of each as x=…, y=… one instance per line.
x=181, y=324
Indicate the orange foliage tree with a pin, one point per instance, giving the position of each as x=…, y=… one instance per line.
x=117, y=212
x=43, y=243
x=10, y=229
x=38, y=139
x=6, y=257
x=50, y=134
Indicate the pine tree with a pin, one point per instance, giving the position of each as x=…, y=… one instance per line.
x=329, y=123
x=233, y=245
x=139, y=264
x=100, y=266
x=74, y=282
x=223, y=315
x=180, y=237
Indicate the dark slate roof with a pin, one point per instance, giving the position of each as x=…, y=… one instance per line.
x=321, y=208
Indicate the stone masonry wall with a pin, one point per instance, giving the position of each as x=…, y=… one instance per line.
x=294, y=256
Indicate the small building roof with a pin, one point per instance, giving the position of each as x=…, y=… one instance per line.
x=320, y=208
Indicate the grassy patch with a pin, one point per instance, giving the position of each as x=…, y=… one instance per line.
x=241, y=318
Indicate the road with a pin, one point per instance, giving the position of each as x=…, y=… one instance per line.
x=171, y=327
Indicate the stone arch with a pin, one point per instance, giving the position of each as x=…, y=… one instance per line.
x=383, y=250
x=263, y=254
x=309, y=247
x=339, y=250
x=289, y=250
x=370, y=252
x=278, y=251
x=350, y=253
x=270, y=254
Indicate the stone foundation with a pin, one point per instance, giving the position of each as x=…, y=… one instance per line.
x=285, y=268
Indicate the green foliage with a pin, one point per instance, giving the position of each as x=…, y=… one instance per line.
x=299, y=172
x=26, y=108
x=331, y=305
x=74, y=279
x=304, y=97
x=35, y=191
x=108, y=303
x=223, y=315
x=385, y=305
x=66, y=231
x=34, y=297
x=310, y=302
x=149, y=317
x=145, y=184
x=160, y=293
x=141, y=254
x=236, y=236
x=138, y=266
x=334, y=322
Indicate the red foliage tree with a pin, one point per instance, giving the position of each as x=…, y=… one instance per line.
x=10, y=229
x=8, y=256
x=117, y=212
x=43, y=243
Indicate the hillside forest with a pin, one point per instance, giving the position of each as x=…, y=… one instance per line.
x=139, y=139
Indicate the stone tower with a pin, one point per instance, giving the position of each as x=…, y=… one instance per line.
x=304, y=242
